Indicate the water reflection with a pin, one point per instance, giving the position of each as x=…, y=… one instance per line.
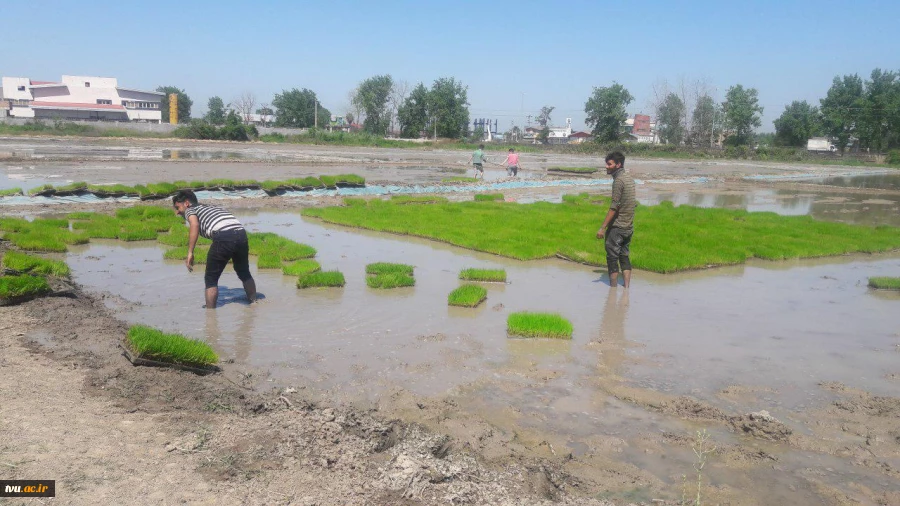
x=612, y=331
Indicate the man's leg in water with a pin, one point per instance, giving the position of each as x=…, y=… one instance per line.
x=241, y=264
x=212, y=296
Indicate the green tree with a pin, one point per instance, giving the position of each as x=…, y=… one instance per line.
x=216, y=113
x=448, y=108
x=668, y=117
x=842, y=108
x=706, y=122
x=296, y=108
x=413, y=113
x=797, y=124
x=605, y=111
x=372, y=96
x=184, y=104
x=543, y=119
x=881, y=114
x=742, y=114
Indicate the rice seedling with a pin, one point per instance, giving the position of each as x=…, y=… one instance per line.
x=80, y=216
x=40, y=189
x=180, y=253
x=49, y=223
x=489, y=275
x=72, y=187
x=549, y=325
x=332, y=181
x=459, y=179
x=269, y=261
x=467, y=296
x=9, y=192
x=885, y=283
x=99, y=229
x=22, y=286
x=488, y=197
x=306, y=182
x=14, y=224
x=162, y=189
x=417, y=199
x=301, y=267
x=105, y=189
x=389, y=268
x=35, y=265
x=354, y=201
x=390, y=280
x=140, y=213
x=153, y=344
x=574, y=170
x=288, y=250
x=667, y=238
x=321, y=279
x=137, y=234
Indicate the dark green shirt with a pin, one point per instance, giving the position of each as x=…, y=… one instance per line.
x=623, y=200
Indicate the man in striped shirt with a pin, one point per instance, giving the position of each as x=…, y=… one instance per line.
x=618, y=226
x=229, y=243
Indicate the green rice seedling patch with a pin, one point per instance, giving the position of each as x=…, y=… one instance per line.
x=885, y=283
x=49, y=223
x=71, y=187
x=14, y=224
x=288, y=250
x=34, y=265
x=389, y=268
x=82, y=216
x=547, y=325
x=140, y=213
x=573, y=170
x=333, y=181
x=40, y=189
x=301, y=267
x=390, y=280
x=488, y=275
x=354, y=201
x=459, y=179
x=269, y=261
x=467, y=296
x=12, y=287
x=54, y=240
x=112, y=189
x=9, y=192
x=153, y=344
x=667, y=238
x=180, y=253
x=321, y=279
x=488, y=197
x=417, y=199
x=137, y=234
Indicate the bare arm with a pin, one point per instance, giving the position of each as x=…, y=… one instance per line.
x=193, y=235
x=610, y=215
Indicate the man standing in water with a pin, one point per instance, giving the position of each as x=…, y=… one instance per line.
x=619, y=223
x=478, y=160
x=229, y=243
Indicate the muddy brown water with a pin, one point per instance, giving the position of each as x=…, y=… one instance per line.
x=779, y=328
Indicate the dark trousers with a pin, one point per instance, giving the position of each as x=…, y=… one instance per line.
x=231, y=245
x=617, y=242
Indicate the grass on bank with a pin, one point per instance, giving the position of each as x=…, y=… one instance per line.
x=488, y=197
x=467, y=296
x=22, y=286
x=321, y=279
x=154, y=344
x=459, y=179
x=885, y=283
x=667, y=238
x=547, y=325
x=417, y=199
x=301, y=267
x=489, y=275
x=573, y=170
x=34, y=265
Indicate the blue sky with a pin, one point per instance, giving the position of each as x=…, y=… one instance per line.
x=552, y=52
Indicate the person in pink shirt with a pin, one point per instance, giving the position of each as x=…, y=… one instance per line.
x=512, y=163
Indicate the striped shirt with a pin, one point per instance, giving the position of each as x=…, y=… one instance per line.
x=212, y=219
x=623, y=200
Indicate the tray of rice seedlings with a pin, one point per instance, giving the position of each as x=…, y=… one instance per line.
x=321, y=279
x=389, y=268
x=488, y=197
x=47, y=235
x=484, y=275
x=303, y=184
x=180, y=253
x=288, y=250
x=417, y=199
x=22, y=288
x=459, y=179
x=31, y=264
x=539, y=325
x=467, y=296
x=112, y=190
x=573, y=170
x=884, y=283
x=148, y=346
x=45, y=190
x=389, y=275
x=343, y=181
x=301, y=267
x=70, y=189
x=11, y=192
x=269, y=261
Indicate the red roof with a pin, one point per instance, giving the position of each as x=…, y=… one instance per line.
x=38, y=83
x=72, y=105
x=580, y=134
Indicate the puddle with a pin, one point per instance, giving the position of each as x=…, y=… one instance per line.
x=875, y=181
x=17, y=176
x=779, y=328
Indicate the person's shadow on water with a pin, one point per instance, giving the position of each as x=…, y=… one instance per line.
x=235, y=296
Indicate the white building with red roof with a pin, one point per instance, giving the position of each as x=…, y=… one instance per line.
x=79, y=98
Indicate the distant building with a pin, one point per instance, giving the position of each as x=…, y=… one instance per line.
x=79, y=98
x=640, y=128
x=556, y=135
x=580, y=137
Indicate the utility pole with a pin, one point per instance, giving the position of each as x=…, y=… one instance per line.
x=434, y=122
x=316, y=117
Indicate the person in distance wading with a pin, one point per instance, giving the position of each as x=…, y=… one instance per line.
x=229, y=242
x=618, y=226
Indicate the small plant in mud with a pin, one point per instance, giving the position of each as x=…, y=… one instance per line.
x=467, y=296
x=703, y=448
x=301, y=267
x=321, y=279
x=387, y=275
x=548, y=325
x=488, y=275
x=34, y=265
x=153, y=344
x=884, y=283
x=488, y=197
